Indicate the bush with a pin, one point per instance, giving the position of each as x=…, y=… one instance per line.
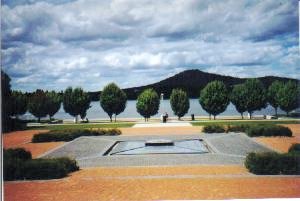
x=44, y=169
x=17, y=153
x=68, y=135
x=273, y=163
x=268, y=130
x=12, y=168
x=70, y=164
x=213, y=129
x=18, y=165
x=295, y=148
x=237, y=128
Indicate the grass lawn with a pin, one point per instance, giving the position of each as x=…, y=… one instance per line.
x=81, y=126
x=239, y=122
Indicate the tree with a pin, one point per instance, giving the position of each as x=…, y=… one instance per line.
x=113, y=100
x=38, y=104
x=255, y=95
x=214, y=98
x=53, y=103
x=147, y=103
x=76, y=102
x=6, y=106
x=179, y=102
x=239, y=99
x=289, y=97
x=272, y=95
x=19, y=103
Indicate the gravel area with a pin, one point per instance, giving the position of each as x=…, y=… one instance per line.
x=224, y=149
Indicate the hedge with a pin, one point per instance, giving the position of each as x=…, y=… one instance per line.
x=295, y=148
x=17, y=167
x=71, y=134
x=237, y=128
x=268, y=130
x=273, y=163
x=19, y=153
x=213, y=129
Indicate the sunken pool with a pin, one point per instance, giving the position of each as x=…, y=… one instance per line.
x=159, y=146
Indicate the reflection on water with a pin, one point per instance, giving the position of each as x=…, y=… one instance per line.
x=96, y=112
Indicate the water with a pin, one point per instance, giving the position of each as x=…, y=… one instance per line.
x=139, y=147
x=96, y=112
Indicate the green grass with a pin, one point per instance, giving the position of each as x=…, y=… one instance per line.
x=82, y=126
x=248, y=122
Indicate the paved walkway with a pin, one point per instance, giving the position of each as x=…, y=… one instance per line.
x=156, y=183
x=162, y=131
x=227, y=148
x=168, y=124
x=23, y=139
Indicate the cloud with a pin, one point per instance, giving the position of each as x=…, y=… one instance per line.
x=55, y=44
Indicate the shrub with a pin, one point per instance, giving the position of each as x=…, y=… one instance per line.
x=12, y=168
x=17, y=153
x=213, y=129
x=44, y=169
x=295, y=148
x=18, y=165
x=70, y=164
x=273, y=163
x=268, y=130
x=68, y=135
x=237, y=128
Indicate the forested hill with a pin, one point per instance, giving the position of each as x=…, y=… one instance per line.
x=192, y=81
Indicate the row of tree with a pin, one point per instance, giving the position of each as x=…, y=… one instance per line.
x=250, y=96
x=214, y=99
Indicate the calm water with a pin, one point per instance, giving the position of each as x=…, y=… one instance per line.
x=96, y=112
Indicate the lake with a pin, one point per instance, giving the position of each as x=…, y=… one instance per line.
x=96, y=112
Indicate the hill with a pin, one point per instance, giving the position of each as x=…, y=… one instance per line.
x=192, y=81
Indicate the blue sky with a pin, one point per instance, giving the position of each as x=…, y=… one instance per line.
x=89, y=43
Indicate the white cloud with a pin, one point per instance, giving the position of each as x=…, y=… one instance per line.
x=91, y=43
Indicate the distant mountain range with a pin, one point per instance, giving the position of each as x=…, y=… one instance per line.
x=192, y=81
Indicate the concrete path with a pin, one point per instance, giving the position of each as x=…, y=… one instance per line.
x=168, y=124
x=225, y=149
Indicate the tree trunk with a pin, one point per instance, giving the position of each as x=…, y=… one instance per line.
x=250, y=115
x=276, y=111
x=287, y=114
x=179, y=118
x=209, y=116
x=39, y=119
x=214, y=117
x=242, y=115
x=145, y=119
x=115, y=118
x=49, y=118
x=110, y=117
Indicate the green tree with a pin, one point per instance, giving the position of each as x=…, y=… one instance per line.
x=38, y=104
x=239, y=99
x=272, y=95
x=255, y=95
x=6, y=106
x=113, y=100
x=76, y=102
x=19, y=103
x=214, y=98
x=147, y=103
x=179, y=102
x=53, y=103
x=289, y=97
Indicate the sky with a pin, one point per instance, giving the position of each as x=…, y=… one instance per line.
x=53, y=44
